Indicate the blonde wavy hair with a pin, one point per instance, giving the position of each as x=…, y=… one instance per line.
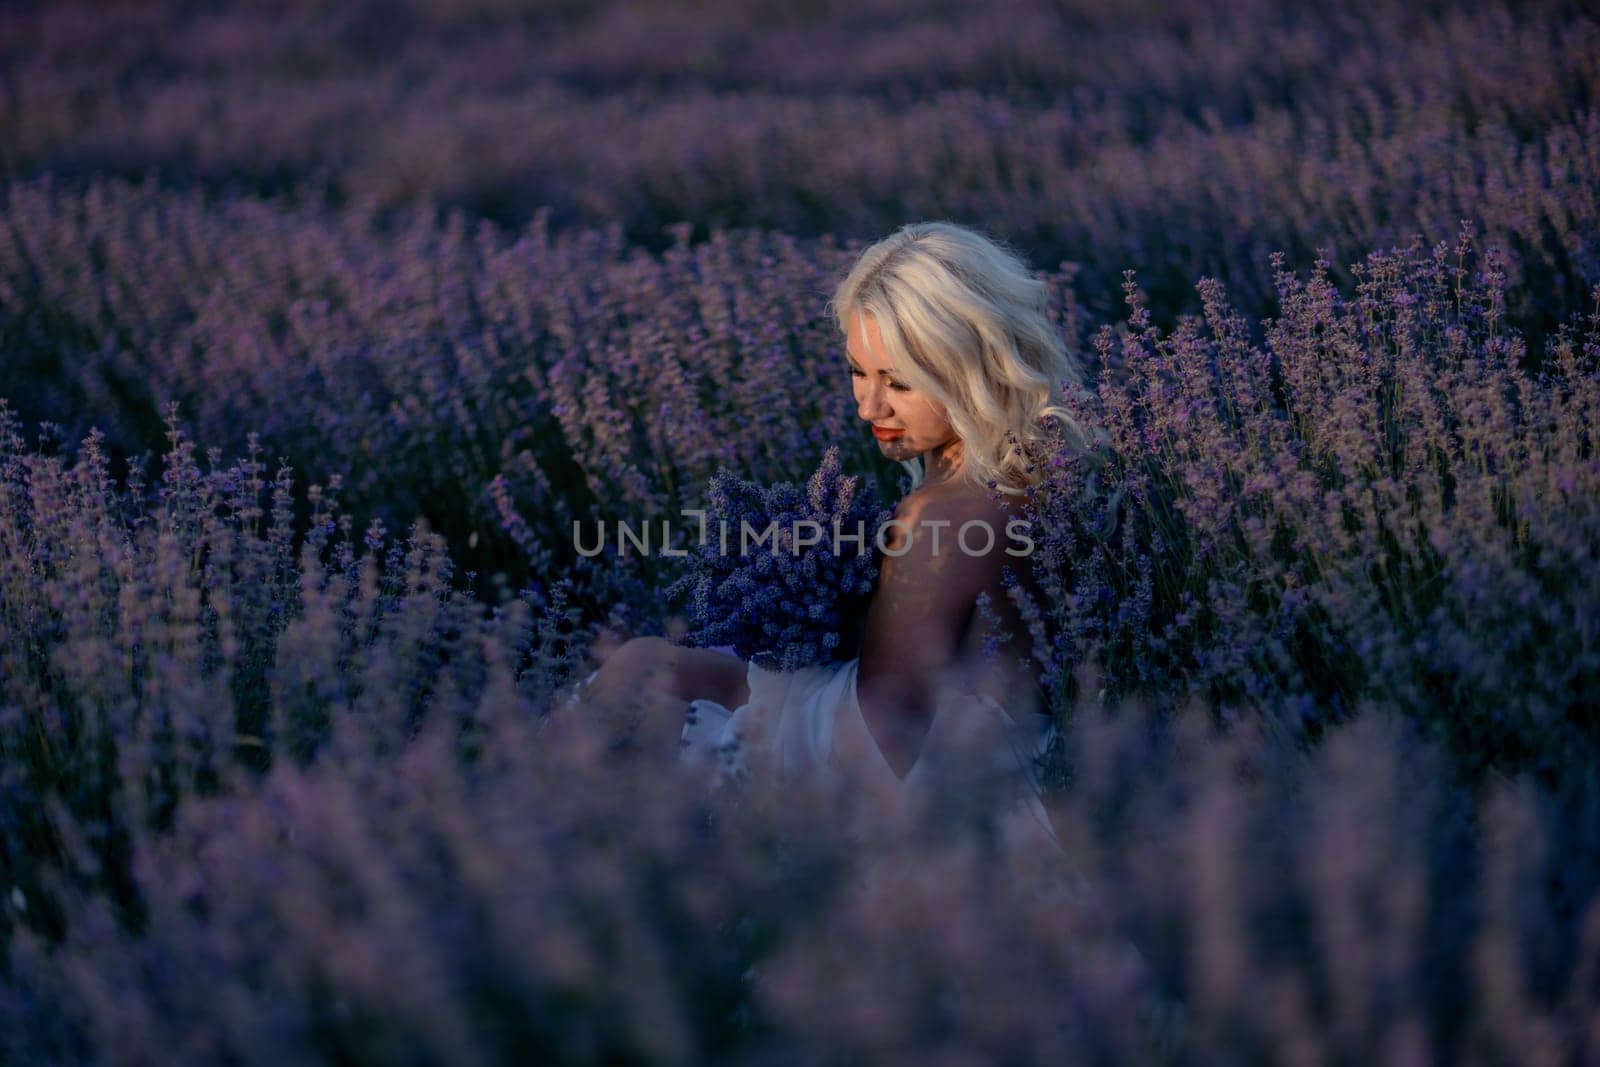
x=966, y=323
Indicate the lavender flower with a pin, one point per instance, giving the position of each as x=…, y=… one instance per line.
x=785, y=603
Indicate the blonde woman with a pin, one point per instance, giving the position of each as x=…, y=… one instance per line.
x=957, y=373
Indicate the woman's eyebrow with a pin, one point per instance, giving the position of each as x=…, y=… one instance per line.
x=857, y=366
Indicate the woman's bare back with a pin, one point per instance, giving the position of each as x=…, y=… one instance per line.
x=923, y=623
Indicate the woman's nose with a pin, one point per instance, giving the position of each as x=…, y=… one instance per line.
x=873, y=404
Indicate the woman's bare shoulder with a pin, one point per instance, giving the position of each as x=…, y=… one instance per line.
x=948, y=507
x=934, y=579
x=963, y=565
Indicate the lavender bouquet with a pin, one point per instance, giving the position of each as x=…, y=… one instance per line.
x=785, y=571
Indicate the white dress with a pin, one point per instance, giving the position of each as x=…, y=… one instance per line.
x=808, y=723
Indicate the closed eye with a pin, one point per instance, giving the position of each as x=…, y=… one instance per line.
x=896, y=386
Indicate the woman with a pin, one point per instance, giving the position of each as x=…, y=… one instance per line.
x=956, y=368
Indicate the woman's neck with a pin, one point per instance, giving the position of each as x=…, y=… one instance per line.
x=943, y=464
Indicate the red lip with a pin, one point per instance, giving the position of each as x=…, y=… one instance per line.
x=886, y=435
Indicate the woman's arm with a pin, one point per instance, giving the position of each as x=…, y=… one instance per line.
x=915, y=622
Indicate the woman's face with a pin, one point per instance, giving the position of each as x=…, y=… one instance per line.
x=905, y=422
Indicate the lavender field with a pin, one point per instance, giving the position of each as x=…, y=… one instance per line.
x=321, y=324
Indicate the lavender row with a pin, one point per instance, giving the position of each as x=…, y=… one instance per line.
x=1136, y=56
x=1225, y=899
x=503, y=387
x=1175, y=145
x=1130, y=64
x=174, y=636
x=1379, y=502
